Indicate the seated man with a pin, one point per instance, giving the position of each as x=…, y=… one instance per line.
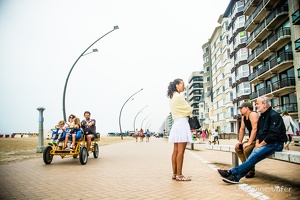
x=249, y=121
x=89, y=128
x=269, y=139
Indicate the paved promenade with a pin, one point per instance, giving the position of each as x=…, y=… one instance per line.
x=142, y=170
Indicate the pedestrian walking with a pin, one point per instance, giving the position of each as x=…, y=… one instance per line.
x=288, y=122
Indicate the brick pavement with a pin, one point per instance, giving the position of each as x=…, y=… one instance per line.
x=136, y=170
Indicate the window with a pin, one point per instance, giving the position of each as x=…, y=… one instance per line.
x=243, y=89
x=242, y=71
x=241, y=54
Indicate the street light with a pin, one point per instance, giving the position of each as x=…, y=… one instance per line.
x=121, y=112
x=136, y=117
x=144, y=120
x=148, y=123
x=82, y=54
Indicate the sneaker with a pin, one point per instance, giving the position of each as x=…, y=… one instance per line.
x=50, y=143
x=55, y=142
x=231, y=179
x=224, y=173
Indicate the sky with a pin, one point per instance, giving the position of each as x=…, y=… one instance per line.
x=40, y=40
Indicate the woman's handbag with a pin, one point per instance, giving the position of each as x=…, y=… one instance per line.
x=194, y=123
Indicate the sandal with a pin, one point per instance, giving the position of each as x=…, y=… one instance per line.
x=183, y=178
x=174, y=177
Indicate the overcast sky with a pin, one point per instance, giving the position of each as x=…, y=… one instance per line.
x=157, y=41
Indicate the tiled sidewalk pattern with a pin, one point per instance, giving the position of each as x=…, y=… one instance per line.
x=141, y=170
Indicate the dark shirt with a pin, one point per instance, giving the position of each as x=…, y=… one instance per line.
x=271, y=127
x=92, y=128
x=248, y=125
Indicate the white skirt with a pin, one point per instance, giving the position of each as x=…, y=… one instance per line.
x=180, y=131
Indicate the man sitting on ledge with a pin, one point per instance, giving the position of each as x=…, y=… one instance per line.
x=269, y=139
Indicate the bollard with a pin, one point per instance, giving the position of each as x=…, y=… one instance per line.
x=40, y=147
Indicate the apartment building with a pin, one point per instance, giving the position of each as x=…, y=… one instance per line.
x=194, y=93
x=273, y=29
x=235, y=37
x=207, y=85
x=217, y=57
x=166, y=125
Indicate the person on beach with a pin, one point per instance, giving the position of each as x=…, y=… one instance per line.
x=270, y=138
x=180, y=133
x=249, y=120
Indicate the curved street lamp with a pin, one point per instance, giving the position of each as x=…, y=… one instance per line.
x=121, y=112
x=136, y=117
x=147, y=124
x=82, y=54
x=144, y=120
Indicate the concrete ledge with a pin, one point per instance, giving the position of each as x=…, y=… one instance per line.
x=296, y=140
x=285, y=155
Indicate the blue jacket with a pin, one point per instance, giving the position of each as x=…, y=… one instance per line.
x=271, y=127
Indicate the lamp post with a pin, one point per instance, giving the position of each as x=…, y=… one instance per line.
x=144, y=120
x=148, y=123
x=136, y=117
x=121, y=112
x=82, y=54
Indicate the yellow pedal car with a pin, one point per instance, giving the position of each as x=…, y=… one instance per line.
x=79, y=150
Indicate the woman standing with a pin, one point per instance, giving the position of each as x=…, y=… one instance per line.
x=180, y=133
x=288, y=121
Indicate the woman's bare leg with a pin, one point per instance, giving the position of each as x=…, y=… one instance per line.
x=174, y=158
x=179, y=157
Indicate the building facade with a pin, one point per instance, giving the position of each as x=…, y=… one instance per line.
x=207, y=85
x=194, y=94
x=273, y=33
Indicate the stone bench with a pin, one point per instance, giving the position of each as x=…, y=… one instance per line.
x=285, y=155
x=296, y=140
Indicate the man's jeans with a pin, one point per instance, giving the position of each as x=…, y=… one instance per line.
x=256, y=156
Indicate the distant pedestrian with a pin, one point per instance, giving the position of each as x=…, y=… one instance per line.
x=142, y=135
x=180, y=133
x=203, y=135
x=216, y=135
x=136, y=134
x=288, y=122
x=147, y=135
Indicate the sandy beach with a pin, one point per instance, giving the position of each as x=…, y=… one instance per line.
x=17, y=149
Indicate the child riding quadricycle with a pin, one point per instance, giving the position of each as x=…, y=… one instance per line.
x=71, y=140
x=214, y=137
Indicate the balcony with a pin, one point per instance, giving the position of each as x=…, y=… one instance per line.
x=278, y=88
x=276, y=65
x=259, y=13
x=266, y=26
x=250, y=6
x=297, y=45
x=273, y=43
x=290, y=108
x=296, y=17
